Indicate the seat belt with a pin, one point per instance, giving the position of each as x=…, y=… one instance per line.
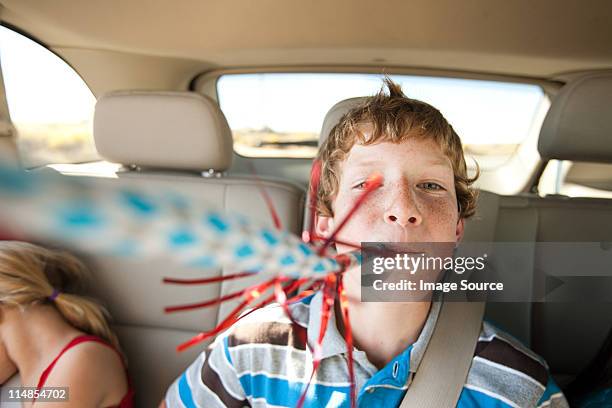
x=443, y=370
x=446, y=362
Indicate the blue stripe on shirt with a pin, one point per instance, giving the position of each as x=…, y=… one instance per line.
x=278, y=391
x=185, y=392
x=470, y=398
x=551, y=388
x=226, y=351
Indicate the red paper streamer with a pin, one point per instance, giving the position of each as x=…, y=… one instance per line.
x=332, y=285
x=348, y=336
x=267, y=198
x=372, y=183
x=203, y=281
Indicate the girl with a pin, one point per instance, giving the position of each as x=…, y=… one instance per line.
x=53, y=337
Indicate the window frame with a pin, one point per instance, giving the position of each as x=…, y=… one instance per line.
x=207, y=82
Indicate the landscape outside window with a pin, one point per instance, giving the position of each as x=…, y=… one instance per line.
x=280, y=114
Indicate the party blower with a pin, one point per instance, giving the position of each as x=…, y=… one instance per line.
x=96, y=215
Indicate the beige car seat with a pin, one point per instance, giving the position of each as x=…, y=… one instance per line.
x=180, y=143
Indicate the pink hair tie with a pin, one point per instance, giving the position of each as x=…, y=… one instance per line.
x=54, y=295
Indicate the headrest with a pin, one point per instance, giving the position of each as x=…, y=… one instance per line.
x=336, y=113
x=173, y=130
x=578, y=125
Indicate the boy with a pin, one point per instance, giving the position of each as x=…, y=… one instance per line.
x=425, y=196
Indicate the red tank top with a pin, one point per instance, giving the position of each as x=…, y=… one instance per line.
x=126, y=402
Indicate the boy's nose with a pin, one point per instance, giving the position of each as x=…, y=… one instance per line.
x=411, y=220
x=402, y=211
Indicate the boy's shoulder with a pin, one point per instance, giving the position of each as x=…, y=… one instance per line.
x=505, y=369
x=271, y=326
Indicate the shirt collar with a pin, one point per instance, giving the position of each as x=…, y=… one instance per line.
x=334, y=343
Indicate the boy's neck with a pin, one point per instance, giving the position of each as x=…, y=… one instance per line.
x=384, y=330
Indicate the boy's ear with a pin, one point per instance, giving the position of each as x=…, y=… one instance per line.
x=324, y=226
x=460, y=230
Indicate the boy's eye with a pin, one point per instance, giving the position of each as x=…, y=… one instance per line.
x=431, y=186
x=361, y=186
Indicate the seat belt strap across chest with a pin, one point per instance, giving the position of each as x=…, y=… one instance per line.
x=446, y=362
x=443, y=370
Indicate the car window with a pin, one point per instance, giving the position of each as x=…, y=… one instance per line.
x=280, y=114
x=50, y=105
x=576, y=179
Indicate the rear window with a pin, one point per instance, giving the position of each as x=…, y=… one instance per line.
x=281, y=114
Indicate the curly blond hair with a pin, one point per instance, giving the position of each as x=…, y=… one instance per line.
x=392, y=117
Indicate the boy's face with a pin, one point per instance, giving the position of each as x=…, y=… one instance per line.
x=415, y=203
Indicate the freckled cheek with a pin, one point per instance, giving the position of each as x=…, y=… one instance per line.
x=439, y=213
x=367, y=214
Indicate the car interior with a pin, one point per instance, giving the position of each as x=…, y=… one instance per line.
x=173, y=85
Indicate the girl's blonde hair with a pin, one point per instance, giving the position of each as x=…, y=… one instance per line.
x=30, y=275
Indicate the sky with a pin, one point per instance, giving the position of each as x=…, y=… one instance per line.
x=40, y=86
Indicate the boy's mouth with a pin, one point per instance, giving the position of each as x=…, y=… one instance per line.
x=395, y=247
x=415, y=249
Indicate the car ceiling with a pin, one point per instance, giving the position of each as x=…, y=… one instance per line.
x=521, y=38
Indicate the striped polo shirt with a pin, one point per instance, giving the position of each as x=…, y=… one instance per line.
x=263, y=361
